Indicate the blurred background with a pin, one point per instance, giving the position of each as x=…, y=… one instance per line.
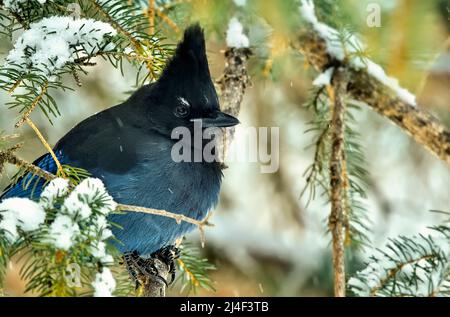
x=265, y=240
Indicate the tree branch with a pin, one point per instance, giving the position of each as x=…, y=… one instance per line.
x=46, y=145
x=336, y=219
x=8, y=156
x=232, y=86
x=33, y=105
x=177, y=217
x=420, y=124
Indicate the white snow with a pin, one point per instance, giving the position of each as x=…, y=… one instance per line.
x=20, y=212
x=104, y=283
x=75, y=207
x=52, y=42
x=89, y=188
x=324, y=78
x=8, y=223
x=377, y=71
x=87, y=192
x=98, y=251
x=352, y=45
x=55, y=189
x=129, y=51
x=240, y=3
x=235, y=35
x=100, y=224
x=63, y=232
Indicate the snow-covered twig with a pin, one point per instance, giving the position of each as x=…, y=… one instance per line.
x=368, y=83
x=53, y=42
x=67, y=223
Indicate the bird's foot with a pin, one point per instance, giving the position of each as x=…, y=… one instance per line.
x=168, y=255
x=141, y=269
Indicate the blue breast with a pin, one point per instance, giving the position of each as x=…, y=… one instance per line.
x=158, y=182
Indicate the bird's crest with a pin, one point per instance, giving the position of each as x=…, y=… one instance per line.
x=189, y=59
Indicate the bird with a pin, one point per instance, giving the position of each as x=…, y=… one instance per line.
x=128, y=147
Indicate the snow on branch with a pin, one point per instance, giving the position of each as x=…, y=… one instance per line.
x=53, y=42
x=348, y=48
x=68, y=224
x=325, y=47
x=235, y=35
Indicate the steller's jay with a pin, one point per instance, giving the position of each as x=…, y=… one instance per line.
x=129, y=147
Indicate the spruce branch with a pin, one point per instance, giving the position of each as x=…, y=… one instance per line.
x=134, y=29
x=420, y=124
x=151, y=16
x=337, y=180
x=33, y=105
x=46, y=145
x=167, y=20
x=194, y=270
x=408, y=266
x=116, y=25
x=7, y=156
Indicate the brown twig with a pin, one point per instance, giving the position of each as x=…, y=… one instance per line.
x=8, y=156
x=167, y=20
x=420, y=124
x=177, y=217
x=151, y=16
x=47, y=146
x=336, y=218
x=14, y=86
x=33, y=105
x=393, y=272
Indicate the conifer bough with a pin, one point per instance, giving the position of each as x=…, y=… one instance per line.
x=362, y=86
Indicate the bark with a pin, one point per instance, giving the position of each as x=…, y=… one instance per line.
x=8, y=156
x=336, y=219
x=232, y=86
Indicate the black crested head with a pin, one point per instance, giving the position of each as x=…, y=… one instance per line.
x=189, y=57
x=185, y=90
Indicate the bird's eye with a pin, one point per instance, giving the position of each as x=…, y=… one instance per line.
x=182, y=111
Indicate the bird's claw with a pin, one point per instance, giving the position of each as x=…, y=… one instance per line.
x=169, y=255
x=140, y=268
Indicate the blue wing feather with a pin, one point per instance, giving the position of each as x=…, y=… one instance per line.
x=29, y=185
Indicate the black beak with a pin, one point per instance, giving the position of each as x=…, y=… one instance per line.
x=219, y=120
